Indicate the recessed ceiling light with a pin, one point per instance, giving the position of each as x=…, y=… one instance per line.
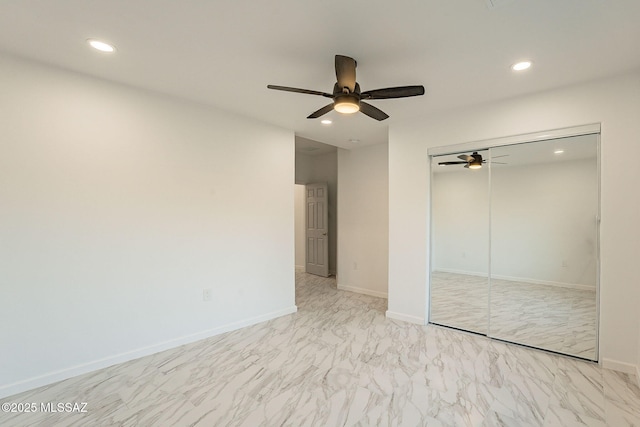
x=101, y=46
x=326, y=122
x=558, y=152
x=521, y=66
x=354, y=140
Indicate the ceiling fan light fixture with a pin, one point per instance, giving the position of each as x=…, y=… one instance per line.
x=346, y=105
x=475, y=161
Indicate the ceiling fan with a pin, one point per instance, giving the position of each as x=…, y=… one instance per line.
x=347, y=97
x=473, y=161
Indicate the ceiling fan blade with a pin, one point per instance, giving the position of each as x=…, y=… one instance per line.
x=321, y=112
x=451, y=163
x=504, y=155
x=293, y=89
x=346, y=72
x=498, y=163
x=393, y=92
x=466, y=158
x=373, y=112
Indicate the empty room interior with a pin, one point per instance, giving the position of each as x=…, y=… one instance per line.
x=320, y=213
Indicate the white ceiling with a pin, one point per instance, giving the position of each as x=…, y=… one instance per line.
x=225, y=52
x=312, y=148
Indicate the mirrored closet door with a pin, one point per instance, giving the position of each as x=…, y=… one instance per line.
x=460, y=242
x=515, y=243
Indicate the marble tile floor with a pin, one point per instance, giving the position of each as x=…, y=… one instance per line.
x=549, y=317
x=339, y=362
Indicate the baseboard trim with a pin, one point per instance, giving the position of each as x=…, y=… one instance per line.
x=363, y=291
x=616, y=365
x=521, y=279
x=73, y=371
x=405, y=317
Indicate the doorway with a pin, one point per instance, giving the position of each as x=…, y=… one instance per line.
x=315, y=162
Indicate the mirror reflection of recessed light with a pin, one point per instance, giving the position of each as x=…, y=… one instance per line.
x=558, y=152
x=326, y=122
x=354, y=141
x=521, y=66
x=101, y=46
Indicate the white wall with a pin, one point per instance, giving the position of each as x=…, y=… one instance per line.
x=460, y=208
x=118, y=207
x=363, y=218
x=300, y=226
x=613, y=102
x=304, y=169
x=323, y=168
x=543, y=222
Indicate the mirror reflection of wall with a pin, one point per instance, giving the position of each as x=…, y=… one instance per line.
x=536, y=206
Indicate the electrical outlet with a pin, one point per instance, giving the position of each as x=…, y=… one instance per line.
x=206, y=294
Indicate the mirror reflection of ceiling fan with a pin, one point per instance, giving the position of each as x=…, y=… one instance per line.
x=473, y=161
x=347, y=97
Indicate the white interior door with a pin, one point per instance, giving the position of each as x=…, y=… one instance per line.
x=317, y=235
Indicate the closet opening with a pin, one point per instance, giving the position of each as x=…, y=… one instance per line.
x=515, y=239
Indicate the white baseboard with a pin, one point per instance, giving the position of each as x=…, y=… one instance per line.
x=363, y=291
x=303, y=269
x=73, y=371
x=521, y=279
x=615, y=365
x=627, y=368
x=405, y=317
